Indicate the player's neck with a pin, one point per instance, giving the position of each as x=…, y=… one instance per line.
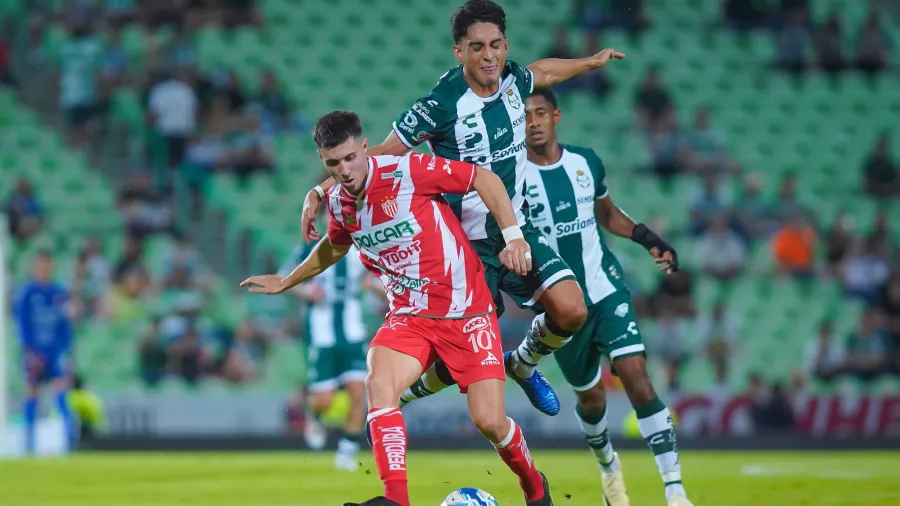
x=478, y=89
x=548, y=154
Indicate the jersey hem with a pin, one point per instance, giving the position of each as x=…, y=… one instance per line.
x=466, y=317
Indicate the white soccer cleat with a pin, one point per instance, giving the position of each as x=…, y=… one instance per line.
x=345, y=462
x=679, y=500
x=614, y=485
x=315, y=435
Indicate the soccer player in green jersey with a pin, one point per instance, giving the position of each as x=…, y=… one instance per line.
x=476, y=113
x=567, y=198
x=337, y=343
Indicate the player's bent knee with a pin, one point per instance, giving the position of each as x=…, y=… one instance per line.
x=492, y=423
x=564, y=304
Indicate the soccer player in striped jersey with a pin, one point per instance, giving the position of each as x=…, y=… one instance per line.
x=476, y=113
x=337, y=345
x=567, y=198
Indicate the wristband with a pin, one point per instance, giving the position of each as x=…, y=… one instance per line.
x=644, y=236
x=318, y=189
x=512, y=233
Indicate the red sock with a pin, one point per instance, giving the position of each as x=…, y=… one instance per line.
x=387, y=433
x=513, y=451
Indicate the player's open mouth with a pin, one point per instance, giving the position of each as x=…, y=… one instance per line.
x=537, y=135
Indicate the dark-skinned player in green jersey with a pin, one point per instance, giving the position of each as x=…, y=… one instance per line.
x=476, y=113
x=567, y=199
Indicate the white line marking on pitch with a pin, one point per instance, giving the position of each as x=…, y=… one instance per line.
x=775, y=471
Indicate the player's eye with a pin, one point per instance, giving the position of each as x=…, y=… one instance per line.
x=495, y=45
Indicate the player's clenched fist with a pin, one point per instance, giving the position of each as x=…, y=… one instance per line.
x=517, y=254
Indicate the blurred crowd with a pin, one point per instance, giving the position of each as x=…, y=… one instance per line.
x=207, y=121
x=803, y=46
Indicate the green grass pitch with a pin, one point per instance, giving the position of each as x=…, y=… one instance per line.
x=306, y=479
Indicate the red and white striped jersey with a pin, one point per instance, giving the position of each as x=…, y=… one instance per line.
x=408, y=236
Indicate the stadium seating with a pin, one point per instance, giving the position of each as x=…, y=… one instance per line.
x=367, y=57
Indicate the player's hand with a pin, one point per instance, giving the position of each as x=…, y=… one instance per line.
x=666, y=259
x=516, y=256
x=269, y=284
x=602, y=58
x=308, y=218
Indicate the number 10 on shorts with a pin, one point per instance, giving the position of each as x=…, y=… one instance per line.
x=483, y=339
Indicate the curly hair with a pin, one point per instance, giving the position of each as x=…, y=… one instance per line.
x=477, y=11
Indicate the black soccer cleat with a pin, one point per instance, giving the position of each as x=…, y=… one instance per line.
x=543, y=501
x=375, y=501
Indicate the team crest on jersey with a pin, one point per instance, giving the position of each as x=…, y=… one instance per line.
x=582, y=179
x=389, y=206
x=513, y=99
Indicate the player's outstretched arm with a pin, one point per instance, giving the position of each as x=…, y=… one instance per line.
x=612, y=218
x=550, y=71
x=323, y=256
x=517, y=255
x=392, y=145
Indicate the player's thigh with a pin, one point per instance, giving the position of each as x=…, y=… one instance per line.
x=400, y=351
x=579, y=360
x=617, y=329
x=548, y=271
x=470, y=348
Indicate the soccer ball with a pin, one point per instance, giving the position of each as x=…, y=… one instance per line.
x=469, y=497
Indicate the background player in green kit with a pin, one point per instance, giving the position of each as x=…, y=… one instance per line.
x=567, y=198
x=476, y=113
x=337, y=345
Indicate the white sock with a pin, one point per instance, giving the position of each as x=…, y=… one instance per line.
x=597, y=434
x=659, y=433
x=542, y=339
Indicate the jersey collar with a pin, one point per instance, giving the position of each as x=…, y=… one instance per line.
x=554, y=165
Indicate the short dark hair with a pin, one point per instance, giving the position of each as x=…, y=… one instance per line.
x=335, y=128
x=548, y=94
x=476, y=11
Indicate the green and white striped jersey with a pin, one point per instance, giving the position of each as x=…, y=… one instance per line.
x=338, y=318
x=561, y=204
x=490, y=132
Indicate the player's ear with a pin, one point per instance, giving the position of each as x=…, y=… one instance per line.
x=557, y=115
x=365, y=144
x=458, y=52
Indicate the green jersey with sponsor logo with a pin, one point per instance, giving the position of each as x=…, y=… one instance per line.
x=561, y=204
x=487, y=131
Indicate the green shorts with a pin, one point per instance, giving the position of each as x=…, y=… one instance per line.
x=610, y=329
x=330, y=367
x=548, y=269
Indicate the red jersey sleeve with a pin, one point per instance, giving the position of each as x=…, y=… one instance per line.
x=337, y=234
x=433, y=174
